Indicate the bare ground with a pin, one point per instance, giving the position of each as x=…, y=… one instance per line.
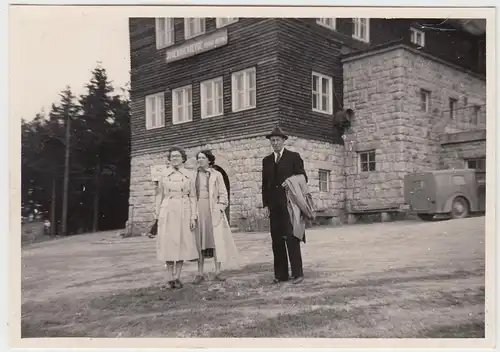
x=401, y=279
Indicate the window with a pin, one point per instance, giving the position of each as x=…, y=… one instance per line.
x=322, y=93
x=458, y=180
x=211, y=98
x=155, y=111
x=361, y=29
x=164, y=28
x=477, y=116
x=193, y=27
x=476, y=163
x=182, y=105
x=367, y=161
x=417, y=37
x=330, y=23
x=244, y=90
x=225, y=21
x=425, y=98
x=453, y=106
x=324, y=180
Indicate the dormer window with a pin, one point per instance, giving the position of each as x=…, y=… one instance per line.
x=361, y=29
x=193, y=27
x=164, y=29
x=417, y=37
x=330, y=23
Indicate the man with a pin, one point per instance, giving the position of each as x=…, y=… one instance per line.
x=276, y=168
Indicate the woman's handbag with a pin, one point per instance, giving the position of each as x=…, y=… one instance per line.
x=154, y=230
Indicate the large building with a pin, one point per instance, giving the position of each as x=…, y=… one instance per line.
x=364, y=100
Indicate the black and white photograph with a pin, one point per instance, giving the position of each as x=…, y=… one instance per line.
x=276, y=175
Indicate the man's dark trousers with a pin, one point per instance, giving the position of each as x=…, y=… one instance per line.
x=274, y=197
x=281, y=226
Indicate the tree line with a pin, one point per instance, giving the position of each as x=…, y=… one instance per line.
x=76, y=159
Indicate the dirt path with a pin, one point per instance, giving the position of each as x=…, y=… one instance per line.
x=402, y=279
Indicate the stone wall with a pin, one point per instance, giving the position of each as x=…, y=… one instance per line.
x=443, y=81
x=242, y=161
x=458, y=147
x=383, y=88
x=374, y=89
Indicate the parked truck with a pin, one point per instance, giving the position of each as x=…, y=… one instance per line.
x=456, y=193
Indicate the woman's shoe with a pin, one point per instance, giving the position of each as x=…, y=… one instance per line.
x=169, y=286
x=198, y=279
x=178, y=283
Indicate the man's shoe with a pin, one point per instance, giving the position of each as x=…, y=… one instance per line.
x=277, y=281
x=298, y=280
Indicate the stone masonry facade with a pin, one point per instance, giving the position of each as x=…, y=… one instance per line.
x=242, y=161
x=391, y=123
x=459, y=147
x=383, y=88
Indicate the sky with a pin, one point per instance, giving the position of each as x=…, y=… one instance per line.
x=51, y=49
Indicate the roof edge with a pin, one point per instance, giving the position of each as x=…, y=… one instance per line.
x=400, y=45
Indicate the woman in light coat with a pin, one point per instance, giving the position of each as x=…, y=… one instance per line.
x=214, y=237
x=176, y=214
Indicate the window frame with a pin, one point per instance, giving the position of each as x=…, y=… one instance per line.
x=175, y=106
x=231, y=20
x=214, y=99
x=368, y=162
x=476, y=110
x=427, y=94
x=246, y=89
x=476, y=160
x=187, y=28
x=452, y=107
x=320, y=77
x=148, y=113
x=322, y=22
x=414, y=36
x=168, y=34
x=357, y=25
x=325, y=182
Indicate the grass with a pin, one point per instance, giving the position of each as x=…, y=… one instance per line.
x=407, y=279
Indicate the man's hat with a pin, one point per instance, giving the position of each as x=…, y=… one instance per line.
x=277, y=132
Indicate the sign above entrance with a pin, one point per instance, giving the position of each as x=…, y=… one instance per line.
x=197, y=46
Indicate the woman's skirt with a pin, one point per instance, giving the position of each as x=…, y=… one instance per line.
x=205, y=235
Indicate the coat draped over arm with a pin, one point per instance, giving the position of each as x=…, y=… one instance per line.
x=300, y=204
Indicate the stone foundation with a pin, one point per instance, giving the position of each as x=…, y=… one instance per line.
x=242, y=161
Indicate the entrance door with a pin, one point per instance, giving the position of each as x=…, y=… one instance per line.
x=228, y=187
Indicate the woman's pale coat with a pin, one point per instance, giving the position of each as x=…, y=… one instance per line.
x=225, y=248
x=175, y=209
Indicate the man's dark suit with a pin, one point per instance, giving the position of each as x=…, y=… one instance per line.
x=274, y=197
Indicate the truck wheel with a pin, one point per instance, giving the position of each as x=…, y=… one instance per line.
x=459, y=208
x=426, y=217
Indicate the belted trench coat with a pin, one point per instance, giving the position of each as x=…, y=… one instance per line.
x=225, y=247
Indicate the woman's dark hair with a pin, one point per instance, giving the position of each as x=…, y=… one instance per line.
x=209, y=155
x=180, y=150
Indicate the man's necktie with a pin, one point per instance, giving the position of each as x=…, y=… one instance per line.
x=278, y=158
